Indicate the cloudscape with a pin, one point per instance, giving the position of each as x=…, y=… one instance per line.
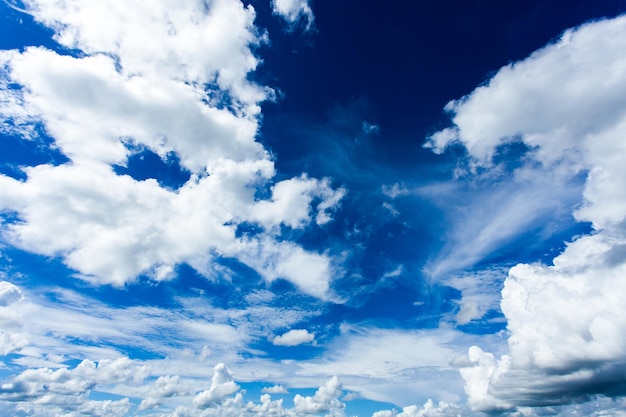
x=312, y=208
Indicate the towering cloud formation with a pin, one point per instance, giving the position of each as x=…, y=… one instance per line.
x=567, y=321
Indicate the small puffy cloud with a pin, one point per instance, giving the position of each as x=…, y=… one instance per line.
x=325, y=400
x=293, y=338
x=291, y=202
x=9, y=294
x=222, y=386
x=294, y=11
x=275, y=389
x=566, y=321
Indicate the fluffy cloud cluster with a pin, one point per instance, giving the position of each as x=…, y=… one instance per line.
x=66, y=391
x=222, y=385
x=171, y=79
x=183, y=344
x=567, y=102
x=429, y=409
x=225, y=398
x=325, y=400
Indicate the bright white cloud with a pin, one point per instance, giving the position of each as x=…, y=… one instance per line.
x=566, y=320
x=325, y=400
x=294, y=337
x=9, y=293
x=275, y=389
x=222, y=385
x=293, y=11
x=291, y=202
x=69, y=389
x=163, y=388
x=429, y=409
x=169, y=79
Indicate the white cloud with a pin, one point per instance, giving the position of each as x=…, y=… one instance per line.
x=293, y=11
x=9, y=294
x=310, y=272
x=185, y=42
x=429, y=409
x=222, y=385
x=566, y=320
x=276, y=389
x=480, y=293
x=325, y=400
x=394, y=365
x=294, y=337
x=163, y=388
x=553, y=100
x=291, y=202
x=169, y=79
x=361, y=352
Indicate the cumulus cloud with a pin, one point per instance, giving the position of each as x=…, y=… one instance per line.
x=69, y=389
x=294, y=11
x=325, y=400
x=291, y=202
x=222, y=385
x=169, y=80
x=9, y=293
x=294, y=337
x=566, y=322
x=275, y=389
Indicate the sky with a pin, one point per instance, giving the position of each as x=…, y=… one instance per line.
x=313, y=208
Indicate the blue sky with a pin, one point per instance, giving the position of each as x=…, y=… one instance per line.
x=312, y=208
